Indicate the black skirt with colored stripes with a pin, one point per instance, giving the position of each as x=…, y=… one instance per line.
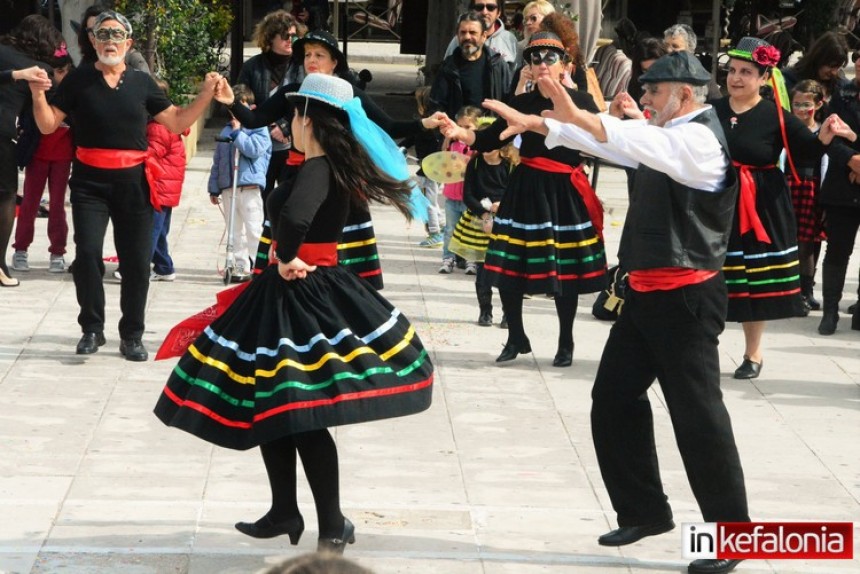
x=763, y=279
x=294, y=356
x=543, y=240
x=357, y=249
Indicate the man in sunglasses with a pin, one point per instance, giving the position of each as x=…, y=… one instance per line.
x=498, y=39
x=673, y=245
x=110, y=104
x=471, y=73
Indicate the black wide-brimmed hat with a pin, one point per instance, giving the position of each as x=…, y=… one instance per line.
x=681, y=67
x=325, y=39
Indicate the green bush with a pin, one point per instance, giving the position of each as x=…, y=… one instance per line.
x=187, y=37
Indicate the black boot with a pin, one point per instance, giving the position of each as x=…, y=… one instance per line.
x=855, y=319
x=485, y=301
x=806, y=283
x=834, y=281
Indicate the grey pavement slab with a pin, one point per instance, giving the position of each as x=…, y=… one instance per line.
x=498, y=477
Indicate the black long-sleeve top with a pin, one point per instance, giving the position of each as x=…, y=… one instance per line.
x=278, y=107
x=484, y=180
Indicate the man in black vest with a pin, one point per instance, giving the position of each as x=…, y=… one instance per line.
x=673, y=244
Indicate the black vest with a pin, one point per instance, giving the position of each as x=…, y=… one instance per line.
x=672, y=225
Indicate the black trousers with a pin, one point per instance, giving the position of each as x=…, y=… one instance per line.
x=842, y=224
x=121, y=196
x=670, y=336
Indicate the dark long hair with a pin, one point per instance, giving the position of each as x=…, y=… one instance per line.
x=35, y=36
x=88, y=51
x=355, y=174
x=830, y=49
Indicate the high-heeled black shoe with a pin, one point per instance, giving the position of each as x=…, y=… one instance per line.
x=336, y=545
x=511, y=350
x=265, y=528
x=563, y=358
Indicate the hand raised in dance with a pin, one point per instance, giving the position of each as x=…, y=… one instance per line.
x=34, y=75
x=625, y=106
x=834, y=126
x=518, y=122
x=437, y=120
x=223, y=92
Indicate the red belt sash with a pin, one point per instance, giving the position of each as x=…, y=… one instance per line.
x=579, y=182
x=322, y=254
x=748, y=218
x=122, y=159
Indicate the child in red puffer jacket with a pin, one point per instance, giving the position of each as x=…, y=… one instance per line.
x=169, y=150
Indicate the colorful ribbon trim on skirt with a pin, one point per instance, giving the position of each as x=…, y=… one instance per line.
x=124, y=158
x=748, y=218
x=579, y=182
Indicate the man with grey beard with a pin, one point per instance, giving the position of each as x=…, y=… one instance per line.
x=109, y=105
x=673, y=245
x=498, y=39
x=471, y=74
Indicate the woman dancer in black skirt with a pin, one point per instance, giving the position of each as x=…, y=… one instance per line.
x=307, y=345
x=546, y=235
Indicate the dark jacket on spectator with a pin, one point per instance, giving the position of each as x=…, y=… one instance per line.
x=447, y=94
x=836, y=189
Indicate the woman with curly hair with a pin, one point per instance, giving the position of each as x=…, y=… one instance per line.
x=563, y=27
x=34, y=42
x=547, y=234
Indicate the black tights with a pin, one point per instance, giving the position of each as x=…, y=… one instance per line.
x=7, y=220
x=565, y=309
x=319, y=459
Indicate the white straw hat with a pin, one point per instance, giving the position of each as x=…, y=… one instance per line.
x=330, y=90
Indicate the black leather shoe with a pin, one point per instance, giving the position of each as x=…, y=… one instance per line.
x=563, y=358
x=511, y=350
x=748, y=369
x=133, y=350
x=336, y=545
x=265, y=528
x=630, y=534
x=485, y=319
x=90, y=343
x=712, y=566
x=503, y=324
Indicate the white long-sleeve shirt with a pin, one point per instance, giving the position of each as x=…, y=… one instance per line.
x=688, y=152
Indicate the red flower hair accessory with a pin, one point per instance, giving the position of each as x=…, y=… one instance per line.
x=766, y=56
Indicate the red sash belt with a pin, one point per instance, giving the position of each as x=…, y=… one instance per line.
x=122, y=159
x=748, y=218
x=579, y=182
x=322, y=254
x=295, y=157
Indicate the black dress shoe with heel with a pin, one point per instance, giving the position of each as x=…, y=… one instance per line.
x=630, y=534
x=336, y=545
x=511, y=350
x=748, y=369
x=90, y=343
x=563, y=358
x=712, y=566
x=266, y=528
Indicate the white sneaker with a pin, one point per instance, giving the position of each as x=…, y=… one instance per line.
x=153, y=276
x=447, y=266
x=19, y=261
x=58, y=264
x=117, y=275
x=471, y=268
